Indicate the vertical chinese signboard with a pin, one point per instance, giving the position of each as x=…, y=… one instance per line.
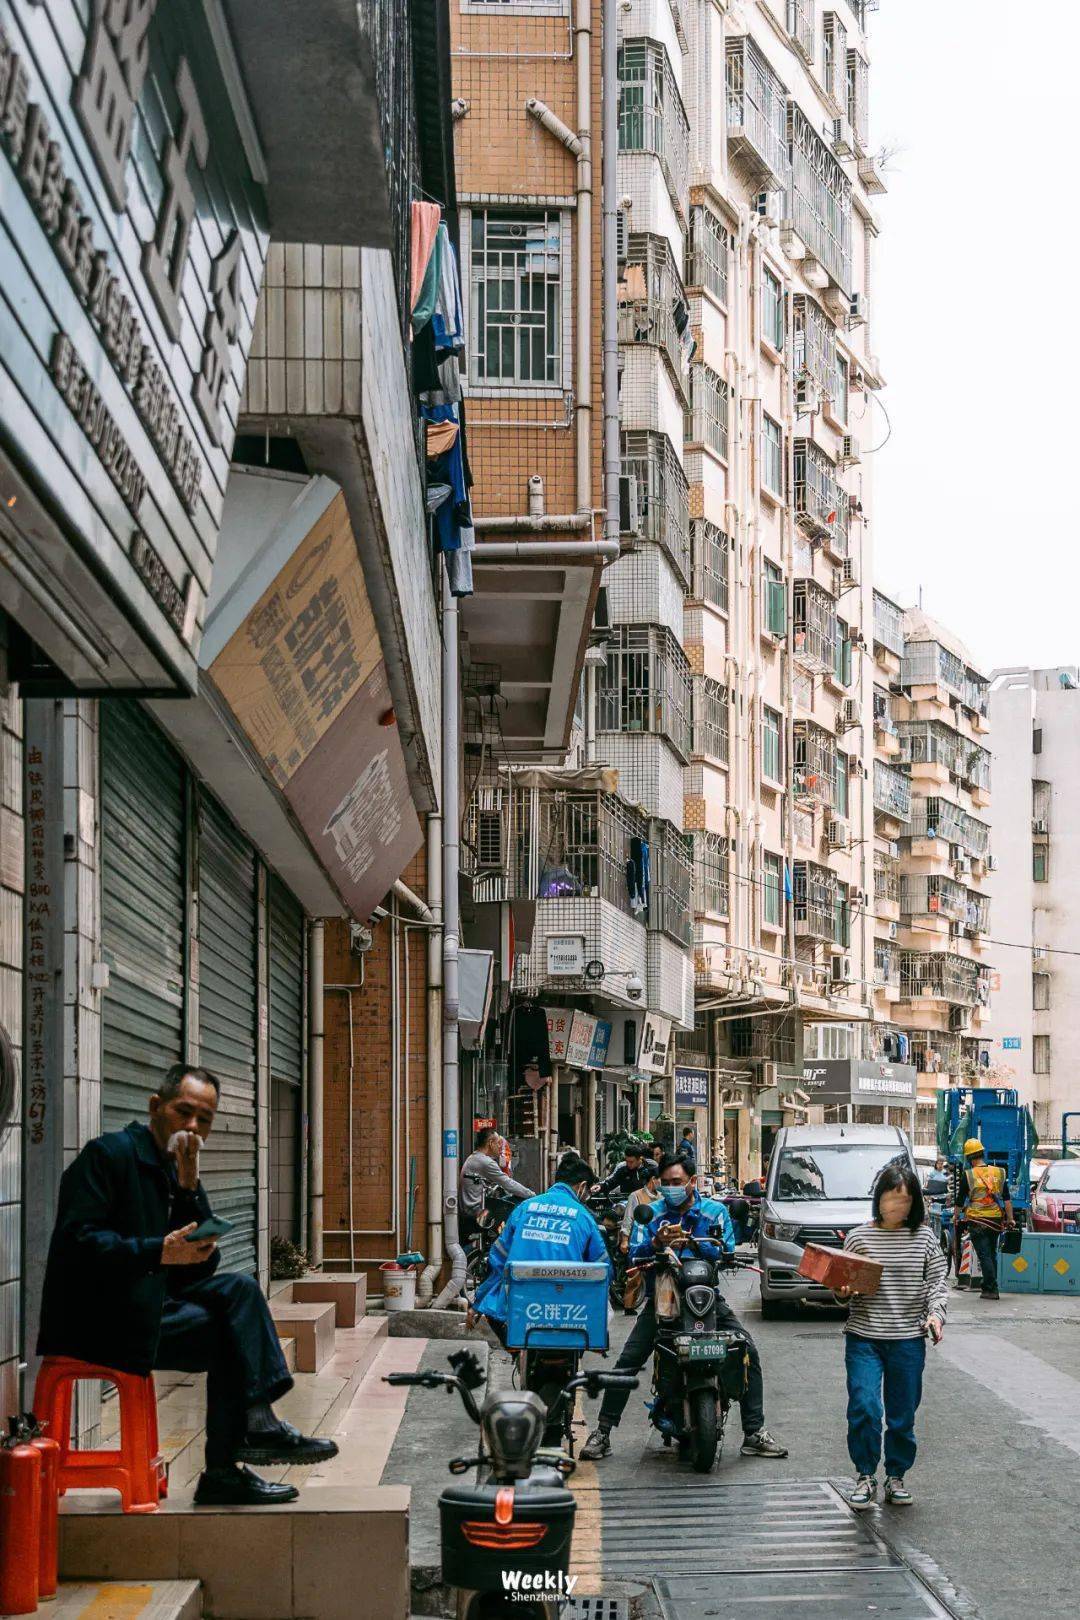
x=133, y=233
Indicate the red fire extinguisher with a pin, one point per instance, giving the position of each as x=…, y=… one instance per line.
x=20, y=1520
x=49, y=1539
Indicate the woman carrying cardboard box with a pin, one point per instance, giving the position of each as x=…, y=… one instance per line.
x=886, y=1333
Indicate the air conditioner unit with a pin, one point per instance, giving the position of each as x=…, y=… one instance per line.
x=856, y=637
x=766, y=208
x=856, y=379
x=836, y=301
x=807, y=397
x=850, y=570
x=1040, y=826
x=622, y=235
x=851, y=713
x=629, y=505
x=840, y=970
x=894, y=930
x=893, y=847
x=963, y=865
x=857, y=310
x=837, y=833
x=490, y=841
x=770, y=1074
x=855, y=766
x=1038, y=953
x=990, y=862
x=959, y=1019
x=849, y=451
x=838, y=135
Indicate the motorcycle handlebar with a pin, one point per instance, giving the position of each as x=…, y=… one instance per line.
x=437, y=1380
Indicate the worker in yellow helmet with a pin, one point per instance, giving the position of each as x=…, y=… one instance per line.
x=984, y=1203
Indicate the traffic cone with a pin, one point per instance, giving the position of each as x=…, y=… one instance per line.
x=967, y=1260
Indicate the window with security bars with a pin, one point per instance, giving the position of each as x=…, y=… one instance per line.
x=858, y=96
x=710, y=559
x=772, y=310
x=840, y=791
x=834, y=60
x=1041, y=1055
x=645, y=685
x=708, y=416
x=772, y=745
x=839, y=390
x=651, y=113
x=772, y=891
x=517, y=284
x=671, y=895
x=1040, y=992
x=711, y=719
x=772, y=455
x=710, y=253
x=775, y=604
x=712, y=874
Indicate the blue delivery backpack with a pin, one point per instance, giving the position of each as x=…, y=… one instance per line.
x=557, y=1305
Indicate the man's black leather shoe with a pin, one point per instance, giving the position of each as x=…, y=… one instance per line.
x=239, y=1487
x=284, y=1444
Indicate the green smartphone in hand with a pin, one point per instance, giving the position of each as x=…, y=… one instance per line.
x=213, y=1227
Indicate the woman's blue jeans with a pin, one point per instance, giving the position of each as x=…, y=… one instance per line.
x=895, y=1365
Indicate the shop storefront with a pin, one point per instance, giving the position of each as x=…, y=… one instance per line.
x=860, y=1091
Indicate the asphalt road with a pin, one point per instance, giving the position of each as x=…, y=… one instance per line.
x=997, y=1482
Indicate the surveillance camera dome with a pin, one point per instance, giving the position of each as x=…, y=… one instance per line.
x=634, y=987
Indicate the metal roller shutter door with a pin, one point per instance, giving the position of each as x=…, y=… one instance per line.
x=143, y=850
x=286, y=952
x=228, y=1010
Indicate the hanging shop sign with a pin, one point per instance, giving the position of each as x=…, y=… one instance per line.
x=565, y=956
x=601, y=1041
x=305, y=678
x=691, y=1088
x=587, y=1044
x=858, y=1080
x=655, y=1044
x=559, y=1021
x=132, y=243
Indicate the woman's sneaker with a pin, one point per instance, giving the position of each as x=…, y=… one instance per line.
x=897, y=1493
x=865, y=1493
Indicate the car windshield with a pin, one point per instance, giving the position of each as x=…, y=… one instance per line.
x=1062, y=1178
x=836, y=1170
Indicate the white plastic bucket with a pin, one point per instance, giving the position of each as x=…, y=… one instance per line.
x=399, y=1286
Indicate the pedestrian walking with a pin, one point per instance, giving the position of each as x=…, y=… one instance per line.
x=985, y=1205
x=885, y=1334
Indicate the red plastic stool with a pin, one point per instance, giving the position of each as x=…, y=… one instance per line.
x=137, y=1470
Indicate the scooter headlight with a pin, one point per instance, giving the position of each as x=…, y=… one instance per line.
x=513, y=1426
x=699, y=1297
x=667, y=1298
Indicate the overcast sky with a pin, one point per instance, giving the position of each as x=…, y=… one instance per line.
x=974, y=318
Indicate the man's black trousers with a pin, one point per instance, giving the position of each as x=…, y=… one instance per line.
x=222, y=1326
x=639, y=1347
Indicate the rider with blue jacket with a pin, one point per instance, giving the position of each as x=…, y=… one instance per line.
x=550, y=1226
x=682, y=1212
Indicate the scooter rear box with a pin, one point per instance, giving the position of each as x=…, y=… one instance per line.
x=475, y=1549
x=835, y=1269
x=557, y=1305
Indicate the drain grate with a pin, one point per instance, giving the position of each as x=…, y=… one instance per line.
x=596, y=1608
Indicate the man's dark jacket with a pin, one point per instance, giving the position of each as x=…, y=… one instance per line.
x=105, y=1286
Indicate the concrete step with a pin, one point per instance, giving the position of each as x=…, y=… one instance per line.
x=288, y=1350
x=365, y=1429
x=347, y=1292
x=311, y=1326
x=336, y=1553
x=127, y=1600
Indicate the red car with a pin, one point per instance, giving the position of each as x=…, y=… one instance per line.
x=1055, y=1202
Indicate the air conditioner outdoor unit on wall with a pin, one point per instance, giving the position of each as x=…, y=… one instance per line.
x=490, y=841
x=837, y=833
x=770, y=1074
x=857, y=312
x=851, y=712
x=840, y=970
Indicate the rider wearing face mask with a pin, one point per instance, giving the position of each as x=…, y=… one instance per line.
x=681, y=1210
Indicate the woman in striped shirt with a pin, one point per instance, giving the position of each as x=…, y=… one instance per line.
x=886, y=1333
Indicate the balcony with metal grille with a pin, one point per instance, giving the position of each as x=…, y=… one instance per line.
x=707, y=418
x=934, y=817
x=887, y=884
x=932, y=895
x=931, y=742
x=888, y=625
x=710, y=565
x=814, y=343
x=814, y=628
x=711, y=709
x=814, y=763
x=886, y=966
x=928, y=663
x=940, y=976
x=672, y=883
x=651, y=114
x=817, y=893
x=821, y=505
x=650, y=293
x=800, y=25
x=819, y=199
x=708, y=254
x=645, y=686
x=712, y=874
x=663, y=495
x=892, y=792
x=757, y=115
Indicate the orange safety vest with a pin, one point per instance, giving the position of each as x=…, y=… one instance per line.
x=986, y=1183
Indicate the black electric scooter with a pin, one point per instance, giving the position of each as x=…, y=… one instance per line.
x=506, y=1537
x=698, y=1368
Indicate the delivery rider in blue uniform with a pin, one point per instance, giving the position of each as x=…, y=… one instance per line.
x=681, y=1210
x=552, y=1226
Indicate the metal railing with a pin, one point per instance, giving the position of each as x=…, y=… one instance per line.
x=387, y=24
x=816, y=894
x=821, y=505
x=710, y=552
x=931, y=742
x=888, y=624
x=934, y=1051
x=814, y=764
x=649, y=294
x=814, y=343
x=932, y=895
x=712, y=874
x=757, y=113
x=711, y=709
x=707, y=417
x=892, y=791
x=886, y=878
x=819, y=198
x=834, y=60
x=814, y=626
x=651, y=114
x=708, y=256
x=663, y=494
x=886, y=965
x=940, y=976
x=883, y=720
x=928, y=663
x=645, y=685
x=671, y=893
x=800, y=25
x=939, y=818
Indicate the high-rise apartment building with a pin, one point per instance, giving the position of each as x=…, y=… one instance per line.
x=1035, y=731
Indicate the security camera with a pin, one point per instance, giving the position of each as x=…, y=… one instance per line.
x=634, y=987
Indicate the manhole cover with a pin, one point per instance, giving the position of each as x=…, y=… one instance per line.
x=842, y=1594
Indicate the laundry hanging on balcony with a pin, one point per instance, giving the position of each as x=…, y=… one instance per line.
x=638, y=875
x=453, y=516
x=425, y=218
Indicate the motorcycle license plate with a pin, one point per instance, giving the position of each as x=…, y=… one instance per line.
x=706, y=1348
